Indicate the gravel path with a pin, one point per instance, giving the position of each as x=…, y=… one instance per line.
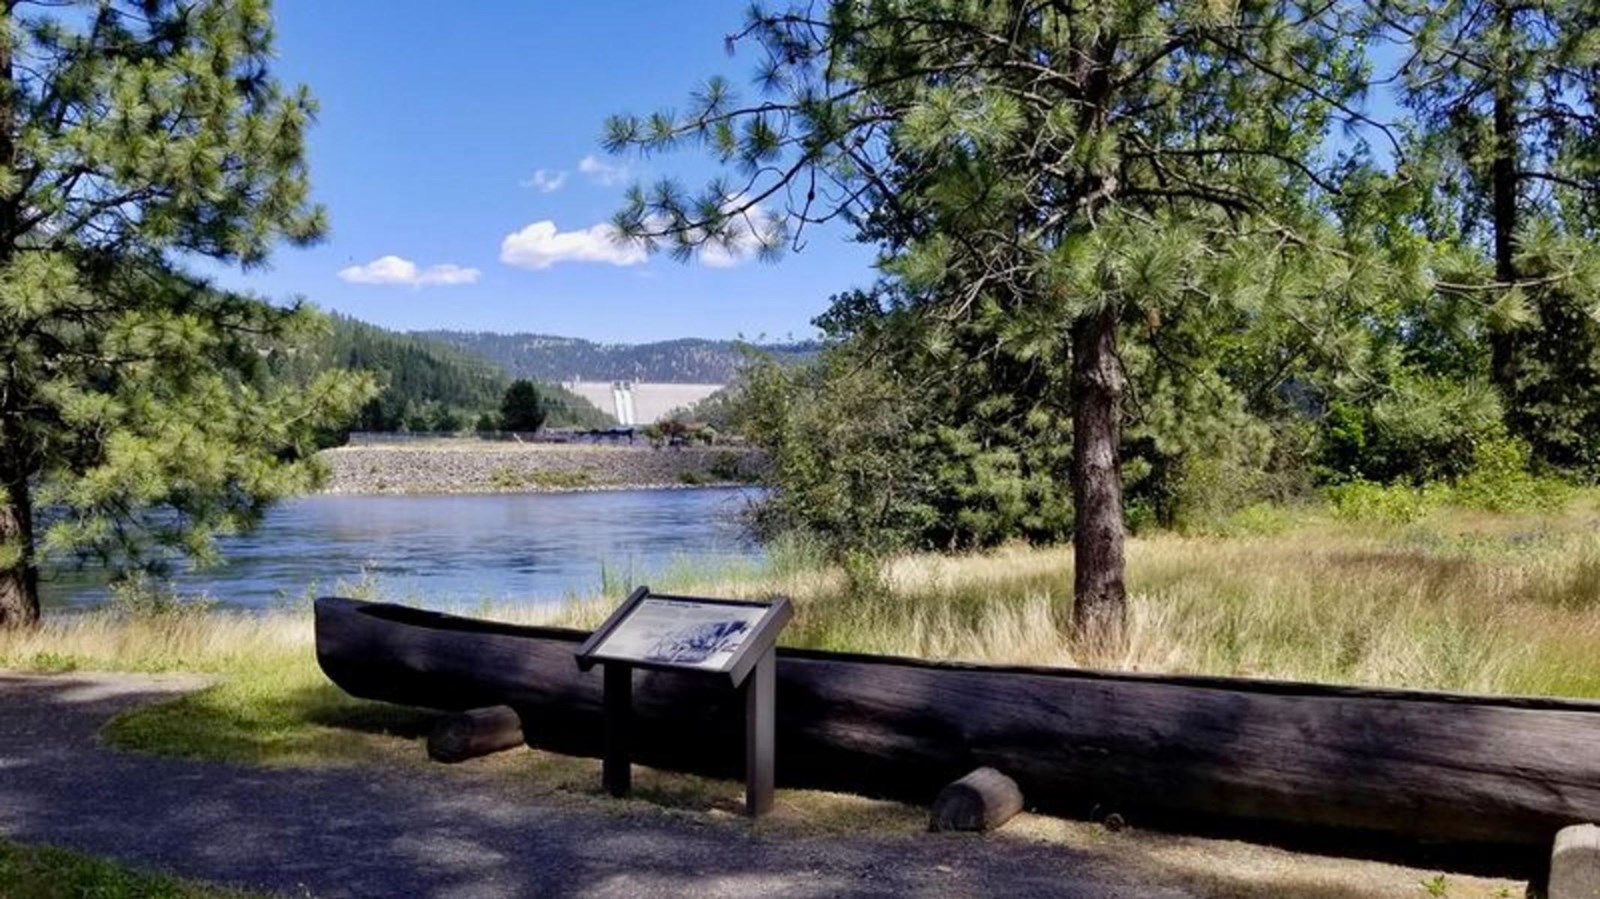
x=361, y=832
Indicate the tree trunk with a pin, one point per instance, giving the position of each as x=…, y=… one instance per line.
x=1503, y=188
x=1099, y=609
x=19, y=583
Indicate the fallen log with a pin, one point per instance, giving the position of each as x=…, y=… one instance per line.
x=475, y=733
x=1375, y=771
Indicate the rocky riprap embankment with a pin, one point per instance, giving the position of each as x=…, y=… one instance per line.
x=470, y=467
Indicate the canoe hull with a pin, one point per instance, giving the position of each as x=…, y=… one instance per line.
x=1490, y=778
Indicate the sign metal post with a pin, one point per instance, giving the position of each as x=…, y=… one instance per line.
x=616, y=773
x=759, y=735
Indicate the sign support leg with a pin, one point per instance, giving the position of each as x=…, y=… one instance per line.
x=616, y=770
x=759, y=723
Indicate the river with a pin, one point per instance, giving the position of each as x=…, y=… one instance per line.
x=455, y=551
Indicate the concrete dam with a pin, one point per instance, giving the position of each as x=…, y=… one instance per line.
x=639, y=402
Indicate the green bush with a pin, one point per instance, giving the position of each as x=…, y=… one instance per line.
x=728, y=466
x=864, y=463
x=1501, y=480
x=1498, y=481
x=1363, y=500
x=138, y=595
x=1420, y=430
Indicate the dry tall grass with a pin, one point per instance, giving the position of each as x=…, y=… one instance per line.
x=1460, y=601
x=191, y=640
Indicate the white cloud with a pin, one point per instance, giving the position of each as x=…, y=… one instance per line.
x=545, y=181
x=541, y=245
x=750, y=231
x=395, y=270
x=602, y=172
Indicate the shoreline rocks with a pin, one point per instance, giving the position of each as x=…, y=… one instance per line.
x=467, y=466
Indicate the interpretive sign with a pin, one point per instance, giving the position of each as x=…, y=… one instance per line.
x=727, y=638
x=682, y=632
x=716, y=636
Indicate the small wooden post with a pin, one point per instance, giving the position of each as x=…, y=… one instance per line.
x=616, y=771
x=474, y=733
x=983, y=800
x=1575, y=864
x=759, y=726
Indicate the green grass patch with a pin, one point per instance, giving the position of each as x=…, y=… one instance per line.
x=286, y=714
x=510, y=479
x=44, y=872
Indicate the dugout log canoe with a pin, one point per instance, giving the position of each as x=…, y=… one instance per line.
x=1487, y=780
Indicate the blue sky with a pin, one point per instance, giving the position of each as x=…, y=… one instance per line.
x=447, y=128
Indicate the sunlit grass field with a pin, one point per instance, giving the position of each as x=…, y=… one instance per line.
x=1469, y=601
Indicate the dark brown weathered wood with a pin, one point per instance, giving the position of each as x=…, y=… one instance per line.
x=475, y=733
x=1391, y=767
x=983, y=800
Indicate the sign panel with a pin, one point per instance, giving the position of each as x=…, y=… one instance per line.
x=681, y=632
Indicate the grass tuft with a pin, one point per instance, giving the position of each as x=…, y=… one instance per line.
x=43, y=872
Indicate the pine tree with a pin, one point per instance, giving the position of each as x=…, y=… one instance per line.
x=1054, y=169
x=522, y=408
x=133, y=134
x=1508, y=145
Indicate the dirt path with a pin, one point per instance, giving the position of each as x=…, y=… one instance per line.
x=362, y=832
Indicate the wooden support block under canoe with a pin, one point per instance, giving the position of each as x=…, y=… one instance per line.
x=983, y=800
x=1374, y=771
x=474, y=733
x=1575, y=864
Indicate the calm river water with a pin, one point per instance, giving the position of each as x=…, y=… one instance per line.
x=449, y=551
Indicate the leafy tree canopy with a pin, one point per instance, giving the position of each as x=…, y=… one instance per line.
x=134, y=136
x=1036, y=176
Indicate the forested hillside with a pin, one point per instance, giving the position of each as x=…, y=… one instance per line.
x=549, y=358
x=426, y=385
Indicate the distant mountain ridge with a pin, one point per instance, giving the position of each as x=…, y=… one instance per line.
x=547, y=357
x=425, y=385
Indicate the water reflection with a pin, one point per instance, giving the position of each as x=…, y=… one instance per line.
x=452, y=550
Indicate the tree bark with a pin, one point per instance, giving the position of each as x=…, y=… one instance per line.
x=1099, y=610
x=1503, y=189
x=19, y=584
